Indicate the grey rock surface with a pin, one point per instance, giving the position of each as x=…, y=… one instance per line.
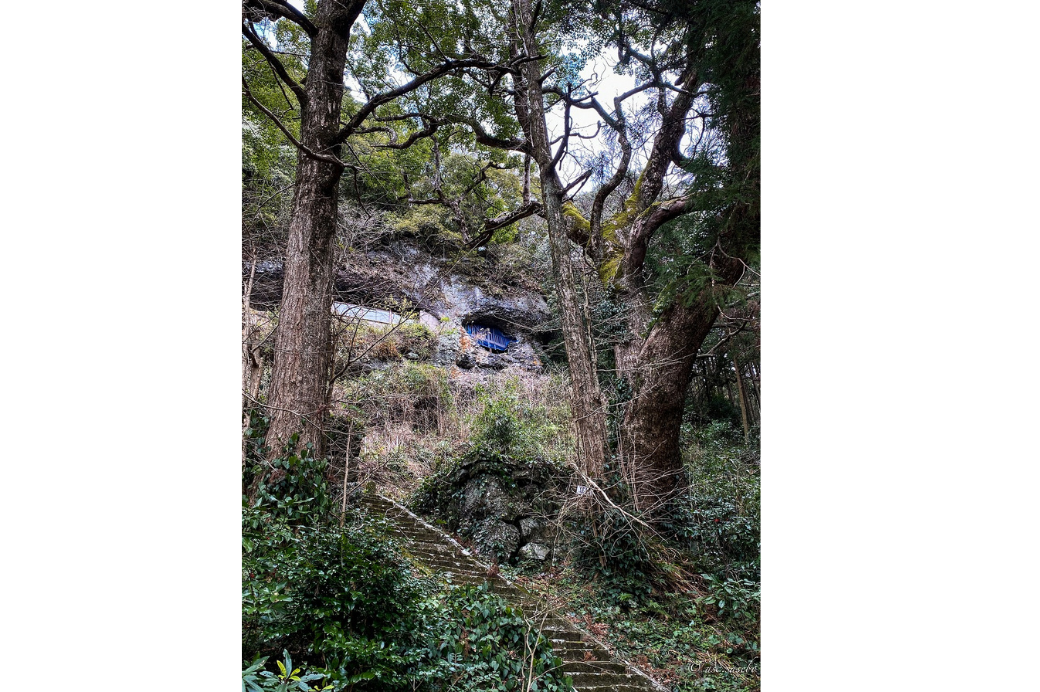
x=403, y=274
x=500, y=504
x=534, y=551
x=497, y=538
x=529, y=526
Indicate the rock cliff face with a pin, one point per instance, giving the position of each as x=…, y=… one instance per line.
x=447, y=295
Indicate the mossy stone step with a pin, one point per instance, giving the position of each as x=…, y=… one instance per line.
x=429, y=549
x=447, y=564
x=605, y=678
x=568, y=645
x=560, y=635
x=444, y=570
x=416, y=532
x=571, y=667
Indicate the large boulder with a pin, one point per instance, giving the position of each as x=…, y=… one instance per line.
x=500, y=504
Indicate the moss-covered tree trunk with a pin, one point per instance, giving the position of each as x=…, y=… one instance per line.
x=656, y=355
x=587, y=405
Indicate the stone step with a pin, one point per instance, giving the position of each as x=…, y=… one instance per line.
x=369, y=501
x=406, y=523
x=439, y=547
x=460, y=577
x=455, y=560
x=429, y=547
x=433, y=551
x=447, y=560
x=438, y=551
x=557, y=635
x=583, y=680
x=445, y=566
x=421, y=534
x=574, y=646
x=593, y=667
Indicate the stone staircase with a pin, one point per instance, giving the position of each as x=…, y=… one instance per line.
x=587, y=662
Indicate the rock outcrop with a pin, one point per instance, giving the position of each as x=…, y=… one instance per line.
x=500, y=504
x=402, y=277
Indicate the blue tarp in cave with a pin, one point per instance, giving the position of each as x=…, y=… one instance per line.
x=489, y=337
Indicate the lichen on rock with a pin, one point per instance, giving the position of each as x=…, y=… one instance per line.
x=497, y=502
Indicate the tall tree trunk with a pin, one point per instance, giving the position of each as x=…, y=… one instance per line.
x=653, y=417
x=587, y=405
x=298, y=400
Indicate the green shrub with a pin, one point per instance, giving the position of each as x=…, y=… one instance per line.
x=510, y=424
x=611, y=549
x=341, y=596
x=256, y=679
x=292, y=485
x=734, y=599
x=350, y=608
x=483, y=643
x=719, y=519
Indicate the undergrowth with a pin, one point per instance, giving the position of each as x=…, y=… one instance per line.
x=683, y=603
x=335, y=595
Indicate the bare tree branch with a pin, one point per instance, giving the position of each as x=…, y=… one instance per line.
x=278, y=123
x=503, y=220
x=275, y=63
x=280, y=9
x=388, y=96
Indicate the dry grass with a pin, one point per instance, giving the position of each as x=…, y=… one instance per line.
x=409, y=419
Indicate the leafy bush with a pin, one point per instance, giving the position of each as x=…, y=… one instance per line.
x=510, y=424
x=256, y=679
x=610, y=548
x=292, y=485
x=514, y=438
x=484, y=643
x=344, y=602
x=720, y=518
x=736, y=599
x=343, y=596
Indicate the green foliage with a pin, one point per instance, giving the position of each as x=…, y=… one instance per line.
x=720, y=409
x=512, y=425
x=517, y=444
x=611, y=549
x=292, y=485
x=665, y=630
x=344, y=602
x=736, y=599
x=344, y=598
x=343, y=595
x=484, y=643
x=718, y=520
x=509, y=433
x=256, y=679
